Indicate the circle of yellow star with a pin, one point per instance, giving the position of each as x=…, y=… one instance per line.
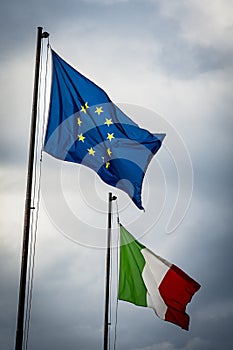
x=99, y=110
x=110, y=136
x=108, y=121
x=81, y=137
x=91, y=151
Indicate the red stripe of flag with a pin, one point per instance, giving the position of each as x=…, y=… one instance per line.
x=177, y=289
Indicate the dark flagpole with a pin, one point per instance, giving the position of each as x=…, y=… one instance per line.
x=28, y=204
x=106, y=322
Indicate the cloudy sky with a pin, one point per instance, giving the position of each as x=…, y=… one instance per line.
x=168, y=63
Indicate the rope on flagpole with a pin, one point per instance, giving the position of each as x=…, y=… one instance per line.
x=117, y=262
x=110, y=287
x=112, y=269
x=45, y=95
x=36, y=202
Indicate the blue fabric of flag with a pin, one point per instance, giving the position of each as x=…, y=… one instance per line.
x=86, y=127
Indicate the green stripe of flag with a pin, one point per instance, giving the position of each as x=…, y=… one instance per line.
x=132, y=262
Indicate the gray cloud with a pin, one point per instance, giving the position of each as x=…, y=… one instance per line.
x=164, y=56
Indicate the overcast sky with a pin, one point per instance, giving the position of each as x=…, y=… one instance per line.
x=169, y=63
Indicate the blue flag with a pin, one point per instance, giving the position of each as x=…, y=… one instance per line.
x=85, y=127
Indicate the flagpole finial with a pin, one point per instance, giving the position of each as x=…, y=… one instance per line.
x=45, y=35
x=112, y=197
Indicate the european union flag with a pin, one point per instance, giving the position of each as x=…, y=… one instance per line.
x=85, y=127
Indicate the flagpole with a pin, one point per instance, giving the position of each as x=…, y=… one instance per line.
x=28, y=204
x=108, y=253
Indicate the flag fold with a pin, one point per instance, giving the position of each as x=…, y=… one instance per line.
x=146, y=279
x=85, y=127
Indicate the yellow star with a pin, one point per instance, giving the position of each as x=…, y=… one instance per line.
x=99, y=110
x=79, y=121
x=107, y=165
x=109, y=152
x=84, y=108
x=91, y=151
x=110, y=136
x=81, y=137
x=108, y=121
x=102, y=159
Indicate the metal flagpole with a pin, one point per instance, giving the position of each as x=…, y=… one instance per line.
x=106, y=322
x=28, y=207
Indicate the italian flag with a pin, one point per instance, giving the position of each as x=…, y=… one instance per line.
x=148, y=280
